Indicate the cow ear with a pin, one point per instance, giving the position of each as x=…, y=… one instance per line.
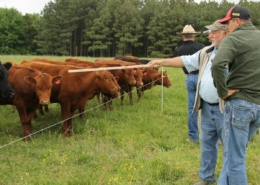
x=57, y=79
x=117, y=78
x=7, y=65
x=145, y=72
x=134, y=70
x=100, y=74
x=29, y=80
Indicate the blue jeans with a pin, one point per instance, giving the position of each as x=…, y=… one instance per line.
x=241, y=121
x=211, y=129
x=191, y=86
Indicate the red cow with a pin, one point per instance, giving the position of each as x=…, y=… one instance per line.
x=84, y=63
x=151, y=78
x=76, y=89
x=77, y=63
x=32, y=88
x=126, y=79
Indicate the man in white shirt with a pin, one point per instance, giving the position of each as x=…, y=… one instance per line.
x=207, y=100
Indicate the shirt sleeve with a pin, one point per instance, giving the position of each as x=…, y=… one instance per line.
x=224, y=54
x=191, y=62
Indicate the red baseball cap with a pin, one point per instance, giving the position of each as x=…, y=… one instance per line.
x=236, y=12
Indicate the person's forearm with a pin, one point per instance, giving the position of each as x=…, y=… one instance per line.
x=169, y=62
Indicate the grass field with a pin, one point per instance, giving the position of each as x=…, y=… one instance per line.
x=143, y=144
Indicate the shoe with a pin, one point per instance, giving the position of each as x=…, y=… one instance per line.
x=194, y=141
x=202, y=182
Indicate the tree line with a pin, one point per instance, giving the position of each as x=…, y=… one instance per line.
x=106, y=28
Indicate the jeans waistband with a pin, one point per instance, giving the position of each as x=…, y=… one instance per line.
x=212, y=104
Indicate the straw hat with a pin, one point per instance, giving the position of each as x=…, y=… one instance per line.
x=188, y=29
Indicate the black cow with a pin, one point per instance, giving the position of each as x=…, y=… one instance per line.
x=6, y=90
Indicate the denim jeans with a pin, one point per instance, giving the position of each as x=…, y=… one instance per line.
x=241, y=121
x=191, y=86
x=211, y=129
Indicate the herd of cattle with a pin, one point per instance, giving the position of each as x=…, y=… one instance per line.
x=32, y=84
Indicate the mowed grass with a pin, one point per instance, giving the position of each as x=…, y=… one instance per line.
x=143, y=144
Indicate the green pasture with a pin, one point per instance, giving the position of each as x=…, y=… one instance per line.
x=143, y=144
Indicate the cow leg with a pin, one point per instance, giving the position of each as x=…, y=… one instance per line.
x=139, y=93
x=41, y=110
x=105, y=100
x=122, y=97
x=66, y=114
x=130, y=94
x=46, y=108
x=81, y=112
x=98, y=97
x=25, y=121
x=110, y=105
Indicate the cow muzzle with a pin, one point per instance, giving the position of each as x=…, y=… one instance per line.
x=44, y=102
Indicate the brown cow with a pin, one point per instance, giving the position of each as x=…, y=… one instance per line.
x=151, y=78
x=83, y=63
x=76, y=89
x=32, y=88
x=77, y=63
x=127, y=79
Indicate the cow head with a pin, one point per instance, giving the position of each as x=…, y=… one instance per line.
x=138, y=74
x=166, y=81
x=106, y=83
x=6, y=90
x=128, y=75
x=43, y=86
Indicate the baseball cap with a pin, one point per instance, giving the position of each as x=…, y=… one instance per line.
x=216, y=26
x=236, y=12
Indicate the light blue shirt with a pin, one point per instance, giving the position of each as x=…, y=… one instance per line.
x=207, y=90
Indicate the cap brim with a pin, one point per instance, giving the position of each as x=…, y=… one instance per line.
x=206, y=31
x=228, y=16
x=212, y=28
x=224, y=20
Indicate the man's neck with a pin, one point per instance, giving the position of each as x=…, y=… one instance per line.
x=188, y=39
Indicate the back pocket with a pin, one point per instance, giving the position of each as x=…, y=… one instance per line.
x=242, y=116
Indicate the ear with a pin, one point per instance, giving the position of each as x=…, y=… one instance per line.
x=57, y=79
x=7, y=65
x=117, y=78
x=134, y=69
x=145, y=72
x=99, y=74
x=29, y=80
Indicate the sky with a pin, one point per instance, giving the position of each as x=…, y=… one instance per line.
x=25, y=6
x=36, y=6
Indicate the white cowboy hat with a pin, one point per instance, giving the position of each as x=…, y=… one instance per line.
x=188, y=29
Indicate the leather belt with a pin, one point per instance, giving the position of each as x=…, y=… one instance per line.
x=213, y=104
x=194, y=72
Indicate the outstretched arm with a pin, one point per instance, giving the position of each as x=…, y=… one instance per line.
x=169, y=62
